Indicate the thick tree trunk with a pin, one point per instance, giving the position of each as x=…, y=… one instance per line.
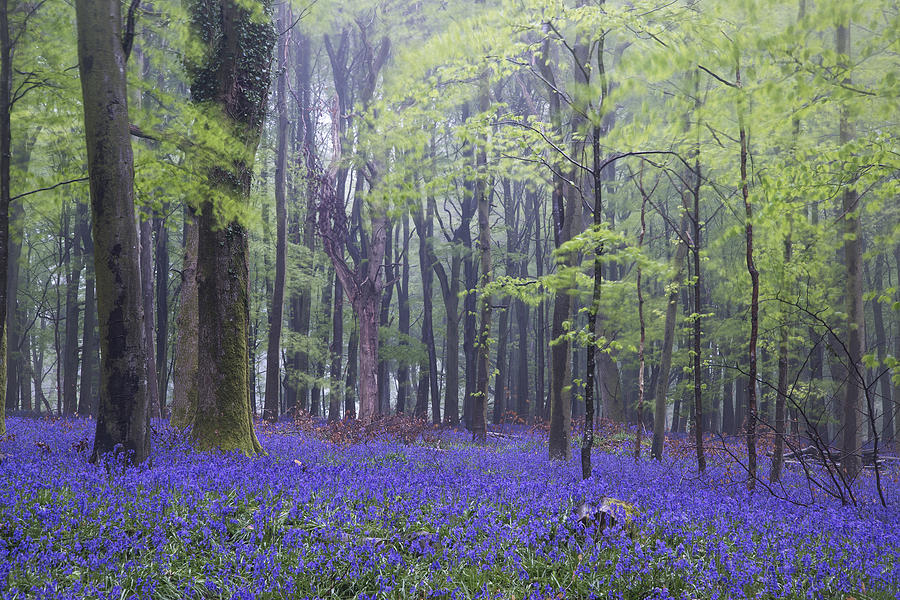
x=184, y=406
x=366, y=306
x=223, y=418
x=234, y=82
x=276, y=310
x=665, y=360
x=123, y=416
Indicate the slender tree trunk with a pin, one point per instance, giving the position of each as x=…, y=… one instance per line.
x=540, y=387
x=782, y=391
x=27, y=369
x=123, y=417
x=276, y=311
x=383, y=406
x=317, y=406
x=665, y=361
x=850, y=443
x=695, y=247
x=336, y=349
x=73, y=283
x=162, y=310
x=754, y=304
x=403, y=383
x=352, y=366
x=887, y=413
x=640, y=295
x=429, y=265
x=483, y=197
x=90, y=357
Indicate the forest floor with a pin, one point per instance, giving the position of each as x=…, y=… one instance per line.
x=345, y=512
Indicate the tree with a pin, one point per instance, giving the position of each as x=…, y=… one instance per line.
x=123, y=417
x=273, y=353
x=230, y=84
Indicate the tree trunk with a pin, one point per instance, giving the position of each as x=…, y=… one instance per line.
x=162, y=310
x=147, y=290
x=273, y=350
x=428, y=265
x=782, y=391
x=695, y=248
x=70, y=352
x=90, y=358
x=384, y=383
x=754, y=304
x=665, y=360
x=483, y=197
x=403, y=384
x=887, y=412
x=234, y=79
x=850, y=443
x=337, y=346
x=352, y=366
x=184, y=406
x=123, y=416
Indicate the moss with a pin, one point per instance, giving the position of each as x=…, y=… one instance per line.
x=224, y=416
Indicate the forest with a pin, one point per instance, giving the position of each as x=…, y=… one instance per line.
x=449, y=299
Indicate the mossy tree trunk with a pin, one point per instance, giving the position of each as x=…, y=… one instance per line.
x=123, y=417
x=231, y=83
x=184, y=405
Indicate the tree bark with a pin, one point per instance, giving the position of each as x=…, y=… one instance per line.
x=335, y=395
x=184, y=406
x=483, y=197
x=162, y=309
x=123, y=416
x=403, y=383
x=851, y=462
x=782, y=391
x=887, y=412
x=90, y=358
x=276, y=311
x=665, y=360
x=754, y=302
x=70, y=352
x=232, y=82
